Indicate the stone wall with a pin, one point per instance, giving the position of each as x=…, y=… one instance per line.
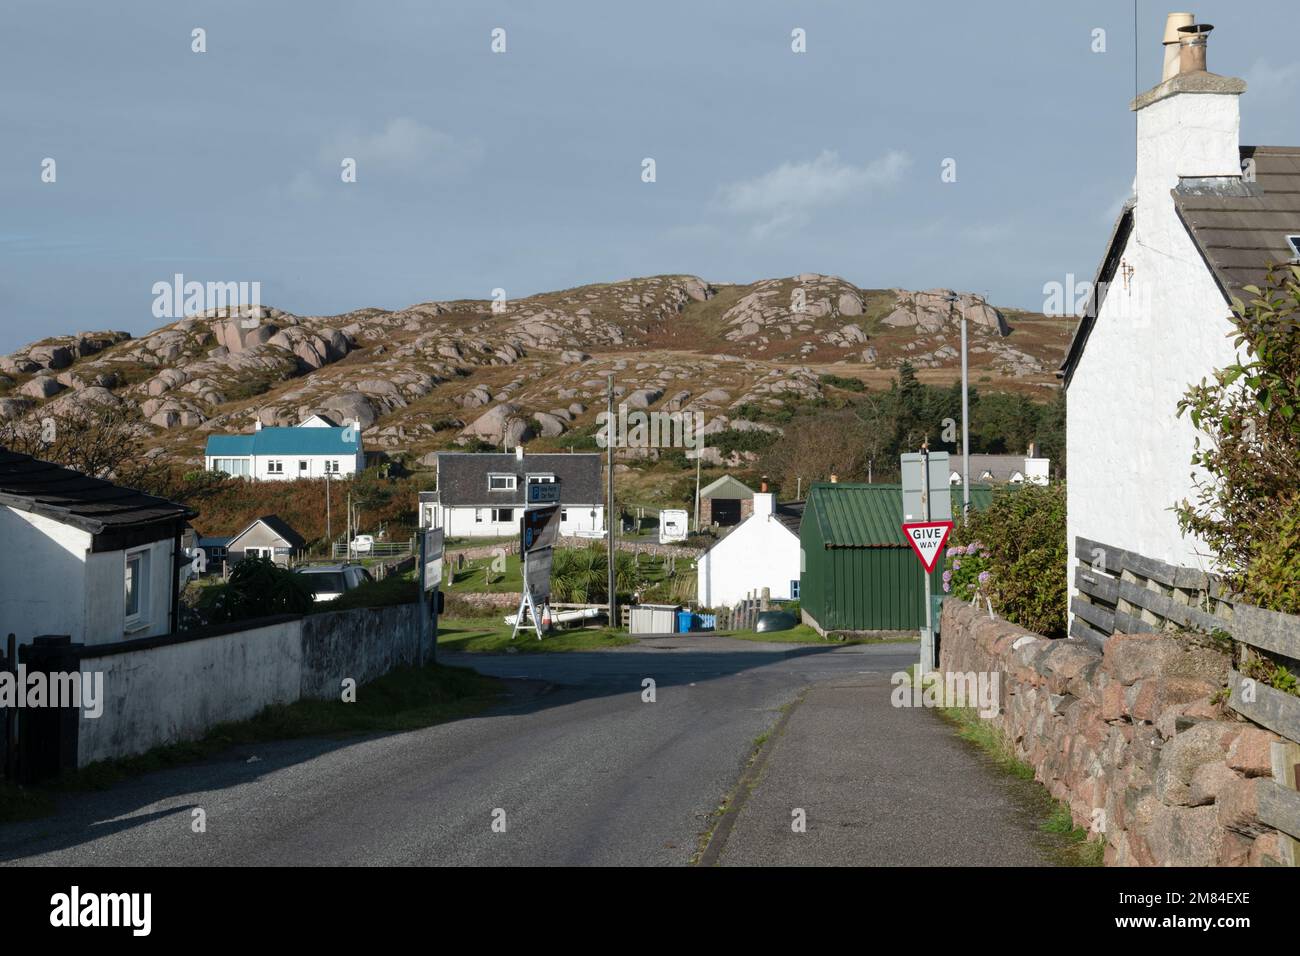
x=1131, y=739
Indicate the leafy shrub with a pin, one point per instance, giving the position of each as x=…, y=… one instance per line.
x=1021, y=542
x=1250, y=414
x=392, y=590
x=839, y=381
x=258, y=587
x=581, y=575
x=969, y=570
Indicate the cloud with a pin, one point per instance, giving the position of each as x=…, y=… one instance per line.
x=783, y=198
x=1265, y=79
x=407, y=146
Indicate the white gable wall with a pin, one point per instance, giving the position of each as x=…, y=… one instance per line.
x=1163, y=330
x=42, y=576
x=760, y=553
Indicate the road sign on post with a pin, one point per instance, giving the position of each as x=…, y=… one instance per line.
x=927, y=540
x=538, y=529
x=543, y=493
x=927, y=501
x=430, y=575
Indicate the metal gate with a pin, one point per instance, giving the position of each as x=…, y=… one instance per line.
x=37, y=743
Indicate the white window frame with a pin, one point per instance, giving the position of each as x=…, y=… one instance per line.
x=794, y=589
x=511, y=482
x=478, y=515
x=139, y=620
x=541, y=479
x=496, y=515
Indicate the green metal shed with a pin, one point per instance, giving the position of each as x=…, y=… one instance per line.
x=858, y=573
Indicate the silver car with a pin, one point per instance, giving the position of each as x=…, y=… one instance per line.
x=330, y=581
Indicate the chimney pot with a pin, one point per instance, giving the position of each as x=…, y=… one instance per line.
x=1173, y=23
x=1191, y=47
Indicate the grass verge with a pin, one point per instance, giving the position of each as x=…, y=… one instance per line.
x=488, y=636
x=803, y=634
x=408, y=698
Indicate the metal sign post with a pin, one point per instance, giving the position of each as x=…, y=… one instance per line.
x=429, y=574
x=927, y=500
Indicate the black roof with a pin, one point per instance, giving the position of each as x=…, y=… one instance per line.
x=463, y=477
x=280, y=527
x=90, y=504
x=790, y=514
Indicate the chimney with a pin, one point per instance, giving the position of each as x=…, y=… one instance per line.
x=519, y=453
x=1173, y=23
x=764, y=503
x=835, y=479
x=257, y=425
x=763, y=485
x=1189, y=127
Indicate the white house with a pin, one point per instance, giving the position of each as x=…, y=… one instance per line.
x=483, y=495
x=314, y=449
x=83, y=557
x=1001, y=469
x=1207, y=217
x=762, y=552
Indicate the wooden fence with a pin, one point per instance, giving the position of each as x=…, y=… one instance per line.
x=1120, y=592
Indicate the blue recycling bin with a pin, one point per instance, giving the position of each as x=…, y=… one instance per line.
x=684, y=622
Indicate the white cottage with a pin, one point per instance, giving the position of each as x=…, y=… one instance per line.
x=317, y=448
x=762, y=552
x=83, y=557
x=1208, y=216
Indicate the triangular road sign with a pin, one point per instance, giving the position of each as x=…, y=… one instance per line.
x=927, y=539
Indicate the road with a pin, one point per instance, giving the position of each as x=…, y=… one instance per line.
x=577, y=769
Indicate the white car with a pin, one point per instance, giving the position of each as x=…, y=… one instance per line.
x=363, y=543
x=331, y=580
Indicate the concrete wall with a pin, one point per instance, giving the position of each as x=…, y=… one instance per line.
x=1163, y=329
x=175, y=691
x=1129, y=739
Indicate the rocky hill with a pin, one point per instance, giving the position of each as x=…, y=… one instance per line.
x=439, y=374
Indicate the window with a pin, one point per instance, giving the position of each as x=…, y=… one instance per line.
x=541, y=479
x=501, y=482
x=332, y=466
x=232, y=466
x=794, y=589
x=503, y=514
x=137, y=589
x=1294, y=243
x=275, y=468
x=564, y=514
x=478, y=515
x=302, y=465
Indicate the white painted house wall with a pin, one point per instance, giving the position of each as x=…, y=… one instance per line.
x=52, y=583
x=462, y=523
x=760, y=553
x=1128, y=450
x=340, y=466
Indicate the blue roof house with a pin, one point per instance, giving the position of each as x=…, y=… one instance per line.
x=281, y=454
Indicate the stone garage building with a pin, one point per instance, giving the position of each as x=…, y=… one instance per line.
x=725, y=502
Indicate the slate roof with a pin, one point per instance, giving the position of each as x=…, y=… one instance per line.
x=1000, y=467
x=871, y=516
x=285, y=441
x=790, y=514
x=89, y=504
x=1241, y=231
x=277, y=525
x=463, y=478
x=1239, y=228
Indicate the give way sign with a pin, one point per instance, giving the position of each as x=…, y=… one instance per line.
x=926, y=539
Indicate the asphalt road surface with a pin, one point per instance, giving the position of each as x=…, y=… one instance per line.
x=576, y=769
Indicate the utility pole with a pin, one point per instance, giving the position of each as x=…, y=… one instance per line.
x=349, y=525
x=329, y=538
x=798, y=495
x=699, y=456
x=610, y=438
x=952, y=300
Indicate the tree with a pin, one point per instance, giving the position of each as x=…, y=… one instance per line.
x=102, y=441
x=258, y=587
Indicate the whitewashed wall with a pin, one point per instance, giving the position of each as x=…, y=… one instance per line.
x=761, y=552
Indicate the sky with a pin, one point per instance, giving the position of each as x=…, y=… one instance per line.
x=525, y=170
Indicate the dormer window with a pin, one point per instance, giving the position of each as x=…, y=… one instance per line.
x=541, y=479
x=501, y=482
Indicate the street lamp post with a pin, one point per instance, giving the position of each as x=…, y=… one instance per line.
x=965, y=412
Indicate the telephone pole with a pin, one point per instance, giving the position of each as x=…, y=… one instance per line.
x=610, y=438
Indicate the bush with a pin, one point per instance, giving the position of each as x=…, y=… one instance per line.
x=1021, y=543
x=258, y=587
x=1245, y=508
